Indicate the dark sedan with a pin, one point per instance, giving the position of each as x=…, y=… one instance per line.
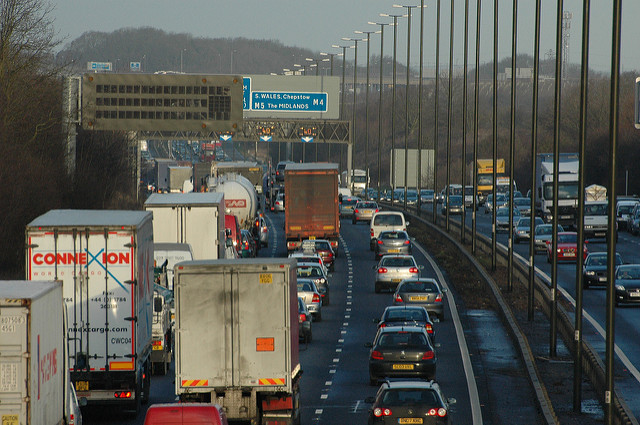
x=594, y=270
x=628, y=284
x=393, y=242
x=395, y=315
x=425, y=292
x=401, y=351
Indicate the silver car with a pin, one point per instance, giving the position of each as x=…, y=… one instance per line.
x=308, y=291
x=278, y=205
x=393, y=269
x=315, y=272
x=263, y=232
x=348, y=205
x=304, y=322
x=363, y=211
x=502, y=218
x=425, y=292
x=392, y=242
x=543, y=234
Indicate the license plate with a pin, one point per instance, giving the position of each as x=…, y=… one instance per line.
x=602, y=279
x=394, y=250
x=402, y=367
x=409, y=420
x=634, y=294
x=82, y=385
x=157, y=347
x=418, y=298
x=565, y=217
x=10, y=420
x=569, y=254
x=312, y=238
x=396, y=280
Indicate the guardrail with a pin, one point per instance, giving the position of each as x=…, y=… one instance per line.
x=592, y=365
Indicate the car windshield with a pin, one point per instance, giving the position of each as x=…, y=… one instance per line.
x=305, y=287
x=628, y=273
x=625, y=209
x=524, y=222
x=323, y=245
x=568, y=238
x=397, y=262
x=429, y=287
x=595, y=209
x=393, y=235
x=404, y=314
x=424, y=397
x=388, y=220
x=402, y=339
x=601, y=260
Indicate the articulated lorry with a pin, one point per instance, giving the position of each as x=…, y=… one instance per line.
x=105, y=262
x=311, y=210
x=567, y=188
x=237, y=337
x=193, y=218
x=484, y=174
x=34, y=384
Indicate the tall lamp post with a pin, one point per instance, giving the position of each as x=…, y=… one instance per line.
x=393, y=103
x=435, y=118
x=353, y=115
x=366, y=112
x=445, y=200
x=331, y=55
x=181, y=61
x=419, y=188
x=344, y=58
x=232, y=52
x=382, y=25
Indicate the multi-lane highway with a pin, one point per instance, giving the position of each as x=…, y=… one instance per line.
x=336, y=381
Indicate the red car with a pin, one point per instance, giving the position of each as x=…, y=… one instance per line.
x=567, y=247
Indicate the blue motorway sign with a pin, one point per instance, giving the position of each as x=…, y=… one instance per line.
x=288, y=101
x=246, y=92
x=266, y=138
x=307, y=139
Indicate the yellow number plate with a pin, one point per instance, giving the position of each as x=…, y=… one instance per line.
x=312, y=238
x=402, y=367
x=266, y=278
x=418, y=298
x=82, y=385
x=10, y=420
x=410, y=420
x=394, y=250
x=157, y=347
x=396, y=280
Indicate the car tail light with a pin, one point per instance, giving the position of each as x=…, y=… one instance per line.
x=377, y=210
x=302, y=317
x=383, y=325
x=428, y=355
x=377, y=355
x=316, y=298
x=264, y=229
x=380, y=242
x=407, y=242
x=440, y=412
x=439, y=298
x=399, y=299
x=429, y=328
x=122, y=394
x=379, y=411
x=356, y=211
x=382, y=270
x=371, y=232
x=72, y=419
x=413, y=270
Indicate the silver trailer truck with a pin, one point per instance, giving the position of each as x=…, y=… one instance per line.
x=237, y=337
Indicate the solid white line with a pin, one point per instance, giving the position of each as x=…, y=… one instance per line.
x=623, y=357
x=476, y=412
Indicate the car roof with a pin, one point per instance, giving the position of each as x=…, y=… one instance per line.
x=411, y=383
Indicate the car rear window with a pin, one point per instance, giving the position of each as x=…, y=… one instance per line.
x=349, y=201
x=398, y=397
x=398, y=262
x=309, y=272
x=402, y=339
x=418, y=287
x=393, y=235
x=305, y=287
x=405, y=314
x=388, y=220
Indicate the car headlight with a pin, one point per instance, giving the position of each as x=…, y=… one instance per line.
x=620, y=288
x=590, y=273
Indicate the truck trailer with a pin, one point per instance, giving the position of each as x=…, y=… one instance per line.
x=237, y=337
x=567, y=188
x=34, y=386
x=193, y=218
x=311, y=210
x=105, y=262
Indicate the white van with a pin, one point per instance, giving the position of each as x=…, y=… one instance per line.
x=385, y=220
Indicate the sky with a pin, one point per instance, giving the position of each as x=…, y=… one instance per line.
x=319, y=24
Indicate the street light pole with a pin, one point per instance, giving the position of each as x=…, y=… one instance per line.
x=366, y=113
x=382, y=25
x=406, y=112
x=232, y=52
x=435, y=118
x=393, y=104
x=419, y=189
x=344, y=58
x=181, y=52
x=353, y=114
x=331, y=55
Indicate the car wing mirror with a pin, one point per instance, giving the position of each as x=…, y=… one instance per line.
x=452, y=400
x=421, y=267
x=437, y=345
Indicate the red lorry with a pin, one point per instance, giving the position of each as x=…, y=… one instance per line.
x=311, y=211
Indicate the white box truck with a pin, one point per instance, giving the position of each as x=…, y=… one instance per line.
x=237, y=337
x=34, y=377
x=567, y=188
x=105, y=261
x=193, y=218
